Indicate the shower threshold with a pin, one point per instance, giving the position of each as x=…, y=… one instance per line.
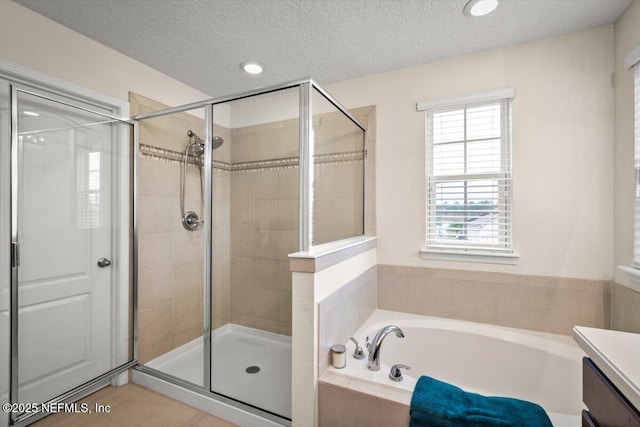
x=249, y=365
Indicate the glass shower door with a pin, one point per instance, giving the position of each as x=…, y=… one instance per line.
x=172, y=241
x=255, y=227
x=68, y=223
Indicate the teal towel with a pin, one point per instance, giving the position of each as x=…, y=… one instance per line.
x=438, y=404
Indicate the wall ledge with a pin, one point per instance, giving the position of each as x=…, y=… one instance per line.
x=324, y=256
x=633, y=277
x=470, y=256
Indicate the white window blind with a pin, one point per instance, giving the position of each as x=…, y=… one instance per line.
x=469, y=177
x=636, y=252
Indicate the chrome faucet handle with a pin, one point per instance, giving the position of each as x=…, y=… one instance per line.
x=396, y=374
x=358, y=353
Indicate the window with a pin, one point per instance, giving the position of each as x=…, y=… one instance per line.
x=469, y=175
x=89, y=190
x=632, y=63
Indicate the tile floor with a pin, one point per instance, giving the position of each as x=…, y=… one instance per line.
x=132, y=405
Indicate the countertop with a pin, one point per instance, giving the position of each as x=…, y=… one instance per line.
x=617, y=354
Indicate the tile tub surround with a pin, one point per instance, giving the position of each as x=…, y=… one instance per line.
x=343, y=312
x=539, y=303
x=348, y=402
x=171, y=258
x=625, y=309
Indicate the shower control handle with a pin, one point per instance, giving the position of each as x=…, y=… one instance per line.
x=396, y=374
x=358, y=353
x=104, y=262
x=190, y=221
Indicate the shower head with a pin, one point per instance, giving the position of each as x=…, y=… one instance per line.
x=216, y=141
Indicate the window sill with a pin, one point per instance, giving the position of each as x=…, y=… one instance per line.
x=634, y=277
x=469, y=256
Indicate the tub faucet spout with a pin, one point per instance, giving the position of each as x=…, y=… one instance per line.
x=376, y=343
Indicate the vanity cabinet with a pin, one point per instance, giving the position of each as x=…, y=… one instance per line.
x=607, y=406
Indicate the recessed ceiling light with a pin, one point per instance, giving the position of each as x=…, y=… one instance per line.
x=480, y=7
x=30, y=113
x=252, y=67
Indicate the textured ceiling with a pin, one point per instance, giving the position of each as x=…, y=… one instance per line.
x=202, y=42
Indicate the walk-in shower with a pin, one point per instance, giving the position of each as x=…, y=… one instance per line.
x=269, y=173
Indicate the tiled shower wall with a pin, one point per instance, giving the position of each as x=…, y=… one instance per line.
x=264, y=207
x=171, y=258
x=264, y=224
x=338, y=176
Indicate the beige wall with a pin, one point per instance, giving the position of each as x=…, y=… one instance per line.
x=563, y=150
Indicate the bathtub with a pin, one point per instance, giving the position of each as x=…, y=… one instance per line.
x=487, y=359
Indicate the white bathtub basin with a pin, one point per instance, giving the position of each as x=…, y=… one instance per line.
x=487, y=359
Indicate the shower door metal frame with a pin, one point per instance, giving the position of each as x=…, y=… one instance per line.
x=62, y=97
x=207, y=215
x=306, y=87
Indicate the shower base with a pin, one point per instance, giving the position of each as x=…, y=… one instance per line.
x=249, y=365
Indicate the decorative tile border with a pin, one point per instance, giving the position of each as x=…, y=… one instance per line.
x=270, y=164
x=160, y=153
x=342, y=157
x=151, y=151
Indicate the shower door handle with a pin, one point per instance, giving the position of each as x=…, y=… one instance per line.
x=104, y=262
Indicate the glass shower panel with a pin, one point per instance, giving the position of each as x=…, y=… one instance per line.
x=5, y=229
x=171, y=244
x=338, y=178
x=256, y=226
x=71, y=176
